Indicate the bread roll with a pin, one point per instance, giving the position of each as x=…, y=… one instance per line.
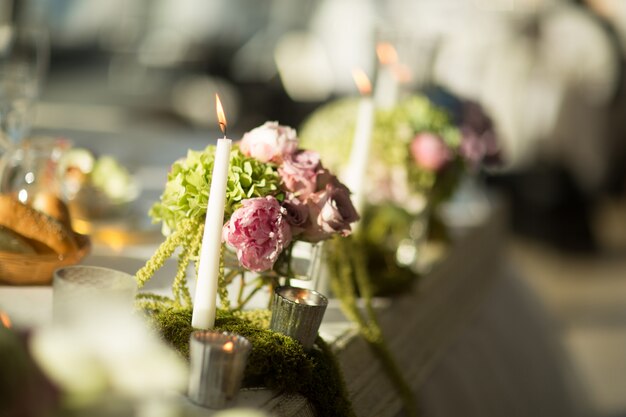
x=48, y=203
x=35, y=225
x=14, y=243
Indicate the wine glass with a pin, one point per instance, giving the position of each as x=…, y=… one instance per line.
x=23, y=62
x=29, y=168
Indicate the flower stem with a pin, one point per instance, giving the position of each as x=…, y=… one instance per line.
x=222, y=287
x=259, y=285
x=347, y=268
x=242, y=285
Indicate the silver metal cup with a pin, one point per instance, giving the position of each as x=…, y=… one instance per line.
x=298, y=313
x=217, y=362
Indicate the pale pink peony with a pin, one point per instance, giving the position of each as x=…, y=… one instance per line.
x=299, y=173
x=429, y=151
x=331, y=211
x=259, y=232
x=270, y=142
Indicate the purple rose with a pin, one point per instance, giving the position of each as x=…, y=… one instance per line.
x=270, y=142
x=259, y=231
x=473, y=148
x=297, y=215
x=479, y=143
x=331, y=211
x=430, y=151
x=324, y=177
x=299, y=173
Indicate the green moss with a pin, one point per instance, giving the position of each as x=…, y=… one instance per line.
x=276, y=361
x=173, y=323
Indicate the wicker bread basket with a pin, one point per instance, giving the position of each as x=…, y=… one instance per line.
x=37, y=269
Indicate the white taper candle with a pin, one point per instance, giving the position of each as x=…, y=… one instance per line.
x=386, y=87
x=205, y=299
x=355, y=174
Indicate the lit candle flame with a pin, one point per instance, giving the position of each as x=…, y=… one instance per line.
x=5, y=320
x=387, y=54
x=221, y=117
x=303, y=300
x=362, y=81
x=229, y=346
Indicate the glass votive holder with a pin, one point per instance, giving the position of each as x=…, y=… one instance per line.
x=217, y=362
x=81, y=290
x=298, y=313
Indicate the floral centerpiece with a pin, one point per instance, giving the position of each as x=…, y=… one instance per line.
x=277, y=194
x=420, y=151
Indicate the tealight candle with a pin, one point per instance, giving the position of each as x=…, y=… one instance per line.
x=298, y=313
x=217, y=363
x=205, y=300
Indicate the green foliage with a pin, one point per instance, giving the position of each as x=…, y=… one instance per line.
x=349, y=279
x=186, y=192
x=387, y=226
x=446, y=183
x=276, y=361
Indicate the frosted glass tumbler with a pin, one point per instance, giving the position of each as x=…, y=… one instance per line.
x=83, y=290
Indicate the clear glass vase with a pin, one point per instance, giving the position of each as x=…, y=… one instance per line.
x=301, y=265
x=29, y=169
x=410, y=250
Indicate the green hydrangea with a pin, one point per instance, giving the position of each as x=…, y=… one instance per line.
x=330, y=130
x=186, y=192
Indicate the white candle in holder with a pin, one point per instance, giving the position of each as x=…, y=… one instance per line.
x=386, y=94
x=217, y=362
x=355, y=172
x=205, y=299
x=298, y=313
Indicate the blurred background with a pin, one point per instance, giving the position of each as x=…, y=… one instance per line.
x=549, y=72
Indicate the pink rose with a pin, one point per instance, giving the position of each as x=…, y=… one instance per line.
x=429, y=151
x=270, y=142
x=258, y=230
x=331, y=211
x=299, y=173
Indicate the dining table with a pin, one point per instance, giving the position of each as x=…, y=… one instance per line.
x=470, y=337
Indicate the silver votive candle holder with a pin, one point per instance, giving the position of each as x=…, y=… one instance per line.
x=217, y=364
x=298, y=313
